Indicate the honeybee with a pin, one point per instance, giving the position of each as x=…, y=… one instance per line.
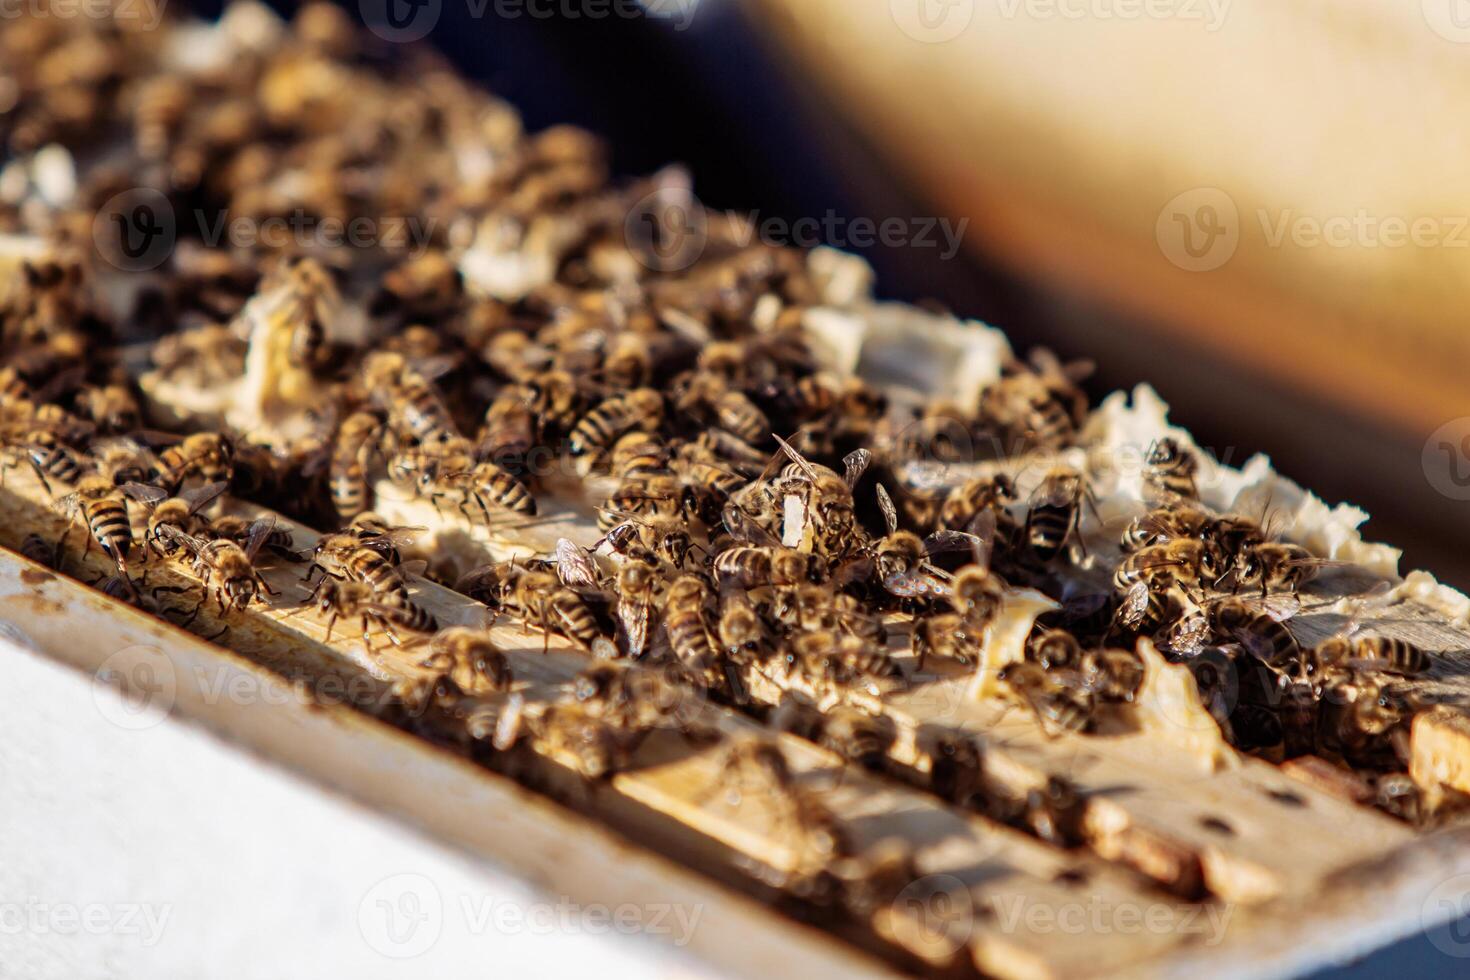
x=1170, y=469
x=51, y=459
x=976, y=593
x=595, y=431
x=956, y=764
x=42, y=552
x=508, y=432
x=470, y=658
x=1261, y=632
x=1365, y=721
x=742, y=632
x=541, y=601
x=112, y=408
x=483, y=484
x=966, y=502
x=179, y=512
x=686, y=622
x=408, y=395
x=822, y=836
x=1055, y=515
x=1054, y=649
x=1164, y=524
x=302, y=295
x=1113, y=674
x=628, y=361
x=901, y=558
x=1381, y=653
x=826, y=499
x=369, y=559
x=729, y=408
x=103, y=508
x=207, y=455
x=638, y=453
x=356, y=439
x=1188, y=563
x=1276, y=567
x=1058, y=705
x=637, y=585
x=665, y=537
x=648, y=496
x=948, y=636
x=571, y=731
x=225, y=566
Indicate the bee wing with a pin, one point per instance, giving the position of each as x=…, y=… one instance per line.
x=202, y=497
x=945, y=541
x=982, y=532
x=796, y=457
x=635, y=616
x=854, y=465
x=257, y=533
x=145, y=493
x=1189, y=634
x=477, y=580
x=397, y=536
x=575, y=565
x=890, y=512
x=413, y=569
x=1080, y=607
x=153, y=438
x=1135, y=604
x=743, y=528
x=173, y=533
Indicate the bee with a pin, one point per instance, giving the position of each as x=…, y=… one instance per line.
x=1255, y=728
x=408, y=395
x=948, y=636
x=571, y=731
x=628, y=361
x=556, y=401
x=799, y=811
x=901, y=558
x=1170, y=470
x=637, y=586
x=52, y=459
x=638, y=699
x=855, y=735
x=1184, y=562
x=742, y=632
x=828, y=513
x=124, y=461
x=483, y=484
x=1388, y=654
x=1165, y=524
x=470, y=658
x=966, y=502
x=729, y=407
x=1059, y=706
x=1276, y=567
x=350, y=556
x=207, y=455
x=180, y=513
x=41, y=551
x=112, y=408
x=1025, y=408
x=956, y=764
x=541, y=601
x=508, y=432
x=228, y=568
x=686, y=622
x=299, y=294
x=976, y=593
x=595, y=431
x=639, y=453
x=103, y=508
x=1054, y=649
x=1369, y=717
x=1261, y=632
x=1113, y=674
x=1055, y=514
x=356, y=439
x=653, y=495
x=664, y=537
x=865, y=658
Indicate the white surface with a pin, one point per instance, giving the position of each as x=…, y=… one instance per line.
x=157, y=851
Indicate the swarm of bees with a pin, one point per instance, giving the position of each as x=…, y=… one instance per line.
x=760, y=545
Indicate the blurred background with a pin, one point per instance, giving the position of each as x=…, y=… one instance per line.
x=1259, y=208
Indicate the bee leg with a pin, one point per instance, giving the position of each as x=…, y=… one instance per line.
x=260, y=580
x=198, y=606
x=41, y=475
x=222, y=631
